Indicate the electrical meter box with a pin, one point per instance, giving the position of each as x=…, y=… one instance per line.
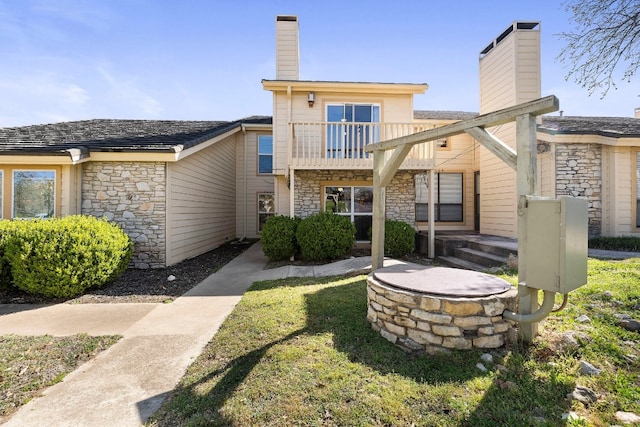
x=557, y=243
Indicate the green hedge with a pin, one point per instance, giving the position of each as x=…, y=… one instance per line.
x=625, y=243
x=278, y=237
x=399, y=238
x=325, y=236
x=62, y=257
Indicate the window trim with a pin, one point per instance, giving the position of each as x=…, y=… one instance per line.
x=352, y=184
x=462, y=202
x=258, y=136
x=7, y=186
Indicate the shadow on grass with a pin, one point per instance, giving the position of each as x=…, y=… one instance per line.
x=341, y=311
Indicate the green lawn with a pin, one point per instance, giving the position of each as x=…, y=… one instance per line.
x=301, y=352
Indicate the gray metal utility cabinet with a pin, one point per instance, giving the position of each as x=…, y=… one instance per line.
x=557, y=243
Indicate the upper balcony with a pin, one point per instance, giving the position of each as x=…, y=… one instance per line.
x=340, y=145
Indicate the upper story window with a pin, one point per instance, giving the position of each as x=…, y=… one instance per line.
x=356, y=125
x=265, y=153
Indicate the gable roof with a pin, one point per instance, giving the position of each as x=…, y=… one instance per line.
x=103, y=135
x=616, y=127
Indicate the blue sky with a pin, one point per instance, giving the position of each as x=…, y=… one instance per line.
x=204, y=60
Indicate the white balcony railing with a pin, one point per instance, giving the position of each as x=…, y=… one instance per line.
x=332, y=145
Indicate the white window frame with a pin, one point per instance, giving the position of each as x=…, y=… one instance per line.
x=422, y=197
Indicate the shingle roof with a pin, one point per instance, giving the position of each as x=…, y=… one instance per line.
x=617, y=127
x=443, y=115
x=114, y=135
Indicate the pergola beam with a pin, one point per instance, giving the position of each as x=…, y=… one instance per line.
x=493, y=144
x=539, y=106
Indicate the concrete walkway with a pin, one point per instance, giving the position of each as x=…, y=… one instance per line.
x=127, y=383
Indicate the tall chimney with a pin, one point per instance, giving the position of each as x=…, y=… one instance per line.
x=287, y=51
x=636, y=113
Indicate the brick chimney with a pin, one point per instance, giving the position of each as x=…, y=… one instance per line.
x=287, y=50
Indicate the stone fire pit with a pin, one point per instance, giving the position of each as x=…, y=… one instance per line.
x=423, y=308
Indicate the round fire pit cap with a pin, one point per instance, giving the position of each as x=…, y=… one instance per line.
x=443, y=281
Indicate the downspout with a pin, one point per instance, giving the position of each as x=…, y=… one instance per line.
x=244, y=184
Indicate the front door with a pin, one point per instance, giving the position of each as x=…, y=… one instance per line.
x=353, y=202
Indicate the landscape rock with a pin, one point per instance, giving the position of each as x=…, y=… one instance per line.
x=486, y=357
x=587, y=368
x=481, y=367
x=583, y=319
x=630, y=325
x=171, y=278
x=572, y=416
x=627, y=417
x=584, y=395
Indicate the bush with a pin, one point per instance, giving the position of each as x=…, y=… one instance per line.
x=325, y=236
x=278, y=237
x=7, y=230
x=62, y=257
x=625, y=243
x=399, y=238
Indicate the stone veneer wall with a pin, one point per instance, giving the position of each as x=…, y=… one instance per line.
x=579, y=174
x=133, y=196
x=400, y=193
x=429, y=323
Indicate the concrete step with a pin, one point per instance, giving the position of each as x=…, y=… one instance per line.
x=451, y=261
x=480, y=257
x=496, y=248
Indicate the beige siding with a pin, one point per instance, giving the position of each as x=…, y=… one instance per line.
x=247, y=193
x=618, y=192
x=509, y=75
x=201, y=201
x=70, y=190
x=287, y=50
x=280, y=132
x=283, y=202
x=547, y=173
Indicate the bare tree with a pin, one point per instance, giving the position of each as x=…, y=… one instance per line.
x=606, y=39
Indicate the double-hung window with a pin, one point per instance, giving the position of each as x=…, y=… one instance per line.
x=448, y=197
x=265, y=154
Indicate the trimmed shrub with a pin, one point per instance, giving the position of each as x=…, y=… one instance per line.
x=399, y=238
x=7, y=230
x=278, y=237
x=325, y=236
x=62, y=257
x=623, y=243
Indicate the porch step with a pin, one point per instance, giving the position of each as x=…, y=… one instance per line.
x=480, y=257
x=451, y=261
x=475, y=252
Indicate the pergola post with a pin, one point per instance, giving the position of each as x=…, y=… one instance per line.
x=379, y=202
x=526, y=185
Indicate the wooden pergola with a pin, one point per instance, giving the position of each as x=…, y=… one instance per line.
x=522, y=160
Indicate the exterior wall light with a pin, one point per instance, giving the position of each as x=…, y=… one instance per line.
x=311, y=98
